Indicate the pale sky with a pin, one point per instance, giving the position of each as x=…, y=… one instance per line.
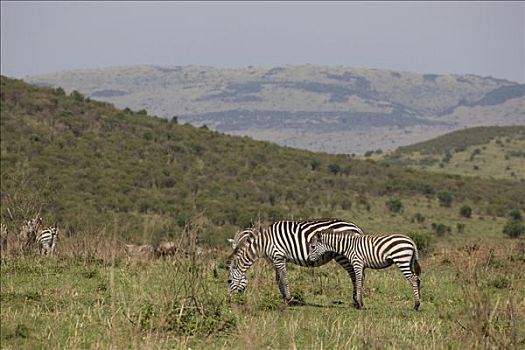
x=484, y=38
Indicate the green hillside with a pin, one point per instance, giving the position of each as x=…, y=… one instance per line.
x=491, y=152
x=87, y=164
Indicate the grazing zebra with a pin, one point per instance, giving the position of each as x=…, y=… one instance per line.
x=47, y=241
x=281, y=242
x=28, y=233
x=375, y=252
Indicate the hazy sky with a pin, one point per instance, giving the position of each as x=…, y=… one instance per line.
x=485, y=38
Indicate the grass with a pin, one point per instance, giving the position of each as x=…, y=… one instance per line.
x=471, y=298
x=487, y=152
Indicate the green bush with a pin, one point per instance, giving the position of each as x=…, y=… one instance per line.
x=465, y=211
x=418, y=217
x=394, y=205
x=445, y=198
x=440, y=229
x=514, y=229
x=423, y=242
x=515, y=215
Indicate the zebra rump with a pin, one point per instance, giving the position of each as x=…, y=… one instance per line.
x=47, y=241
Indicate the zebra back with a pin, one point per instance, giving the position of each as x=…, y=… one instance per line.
x=287, y=238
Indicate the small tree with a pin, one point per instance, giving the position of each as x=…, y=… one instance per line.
x=514, y=226
x=445, y=198
x=334, y=169
x=465, y=211
x=514, y=229
x=515, y=215
x=394, y=205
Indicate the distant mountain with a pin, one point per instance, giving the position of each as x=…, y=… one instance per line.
x=489, y=152
x=322, y=108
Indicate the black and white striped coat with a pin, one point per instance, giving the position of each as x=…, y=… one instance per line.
x=279, y=243
x=47, y=241
x=375, y=252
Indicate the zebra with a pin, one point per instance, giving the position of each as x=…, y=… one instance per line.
x=375, y=252
x=28, y=233
x=279, y=243
x=47, y=240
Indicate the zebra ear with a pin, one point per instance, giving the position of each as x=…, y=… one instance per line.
x=230, y=240
x=315, y=238
x=230, y=263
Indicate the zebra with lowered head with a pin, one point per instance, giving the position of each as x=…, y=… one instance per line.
x=279, y=243
x=375, y=252
x=47, y=240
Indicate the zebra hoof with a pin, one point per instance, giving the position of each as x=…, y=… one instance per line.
x=416, y=307
x=294, y=302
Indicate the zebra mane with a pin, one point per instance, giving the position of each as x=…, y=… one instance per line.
x=245, y=241
x=332, y=232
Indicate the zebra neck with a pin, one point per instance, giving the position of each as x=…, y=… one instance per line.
x=337, y=242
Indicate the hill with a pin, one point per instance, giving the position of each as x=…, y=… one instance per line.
x=490, y=152
x=336, y=109
x=87, y=164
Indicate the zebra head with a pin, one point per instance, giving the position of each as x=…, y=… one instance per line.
x=316, y=247
x=237, y=280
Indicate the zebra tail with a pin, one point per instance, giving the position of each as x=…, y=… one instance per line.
x=415, y=264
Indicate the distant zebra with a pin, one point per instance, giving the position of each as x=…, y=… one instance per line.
x=47, y=241
x=375, y=252
x=279, y=243
x=28, y=233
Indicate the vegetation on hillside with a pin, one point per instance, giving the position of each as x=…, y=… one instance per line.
x=85, y=163
x=489, y=152
x=461, y=139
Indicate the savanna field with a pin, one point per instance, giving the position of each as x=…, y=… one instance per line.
x=472, y=297
x=112, y=177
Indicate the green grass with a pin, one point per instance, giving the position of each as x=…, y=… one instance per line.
x=486, y=152
x=470, y=298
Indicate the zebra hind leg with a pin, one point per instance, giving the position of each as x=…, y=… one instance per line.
x=413, y=278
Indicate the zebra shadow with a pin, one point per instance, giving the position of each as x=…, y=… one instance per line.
x=332, y=305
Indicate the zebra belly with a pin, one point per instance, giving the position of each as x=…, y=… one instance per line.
x=308, y=263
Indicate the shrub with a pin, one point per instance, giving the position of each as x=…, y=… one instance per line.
x=418, y=217
x=514, y=229
x=460, y=227
x=445, y=198
x=394, y=205
x=440, y=229
x=423, y=242
x=515, y=215
x=465, y=211
x=334, y=169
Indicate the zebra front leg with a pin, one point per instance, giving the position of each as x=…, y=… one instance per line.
x=358, y=270
x=282, y=280
x=345, y=264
